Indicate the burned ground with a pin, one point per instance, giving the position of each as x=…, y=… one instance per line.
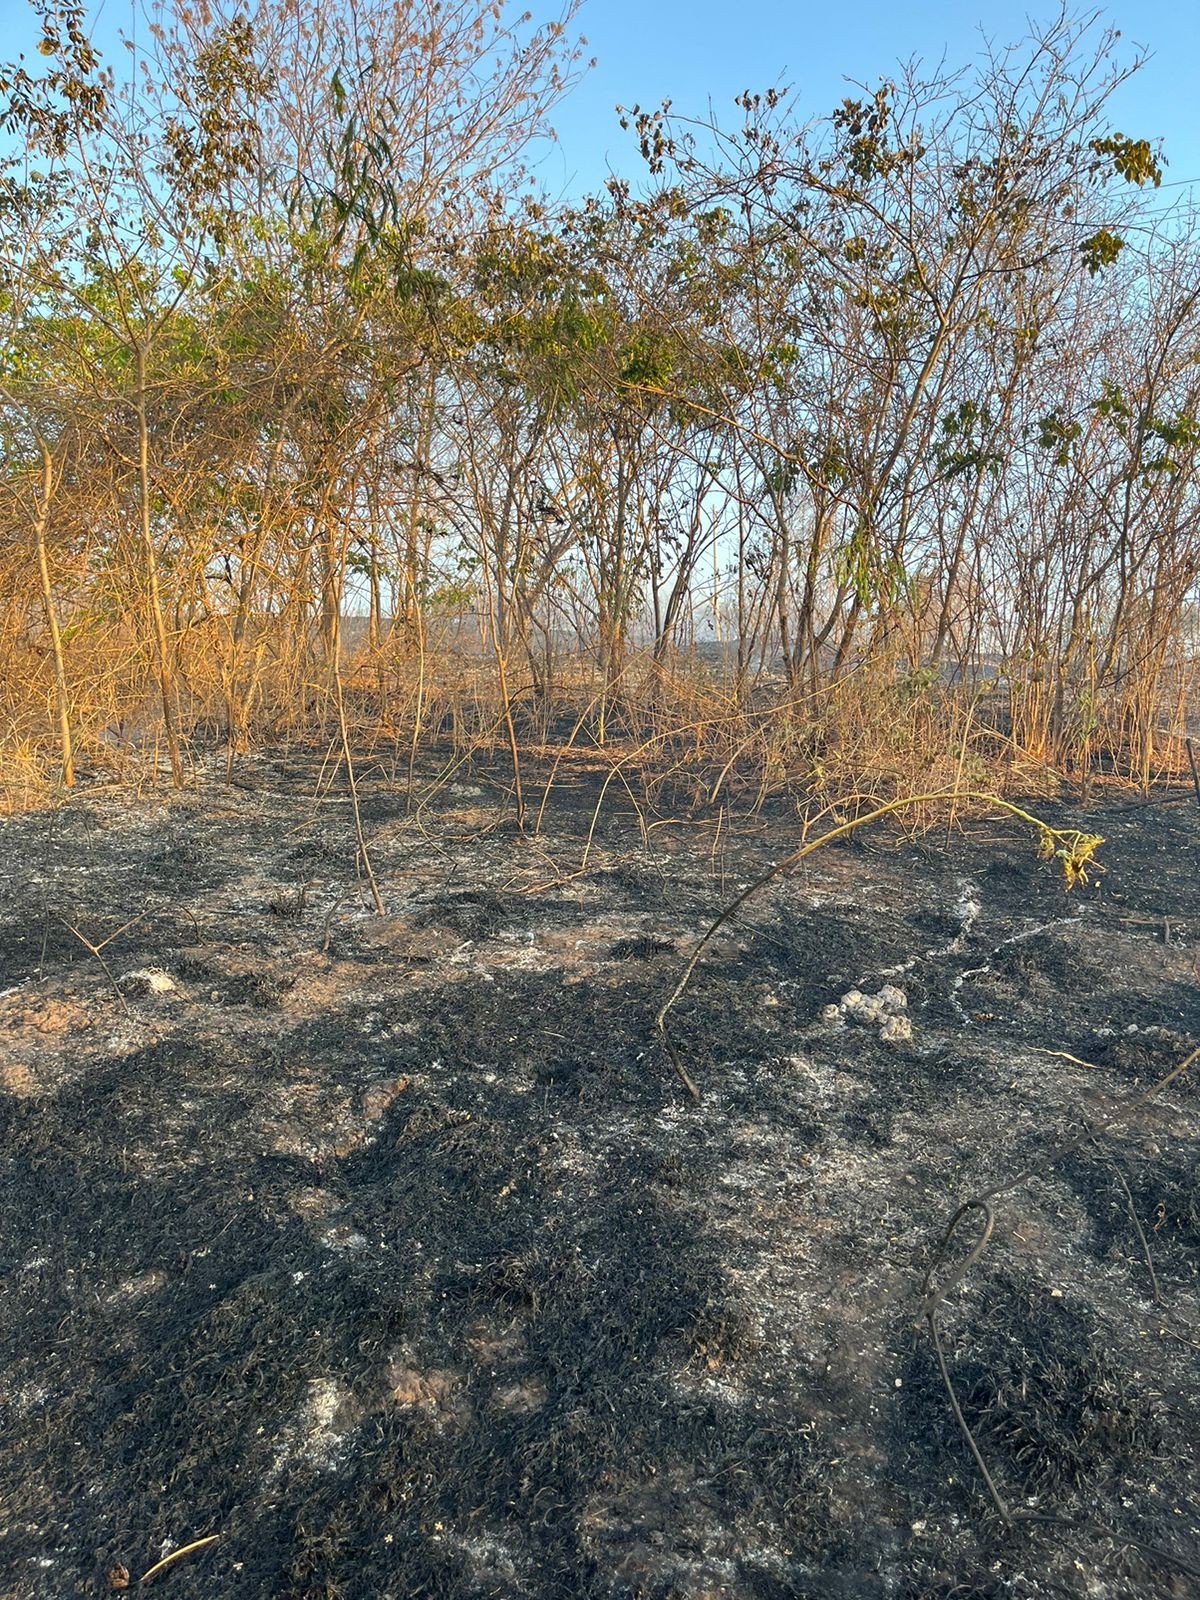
x=391, y=1251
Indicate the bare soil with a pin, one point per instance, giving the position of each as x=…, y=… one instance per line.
x=391, y=1251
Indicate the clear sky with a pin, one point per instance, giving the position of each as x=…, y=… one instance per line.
x=697, y=51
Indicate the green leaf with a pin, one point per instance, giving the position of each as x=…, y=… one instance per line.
x=1101, y=251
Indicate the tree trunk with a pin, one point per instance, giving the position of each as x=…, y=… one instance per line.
x=165, y=680
x=60, y=675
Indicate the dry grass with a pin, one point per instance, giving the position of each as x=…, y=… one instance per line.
x=681, y=734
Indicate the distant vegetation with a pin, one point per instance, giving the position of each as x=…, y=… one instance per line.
x=900, y=405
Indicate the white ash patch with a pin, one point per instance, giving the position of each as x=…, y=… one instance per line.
x=825, y=1084
x=139, y=1286
x=885, y=1010
x=967, y=909
x=319, y=1433
x=722, y=1388
x=491, y=1560
x=148, y=980
x=313, y=1203
x=341, y=1237
x=1016, y=938
x=19, y=1401
x=520, y=1399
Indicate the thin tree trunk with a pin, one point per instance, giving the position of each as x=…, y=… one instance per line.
x=165, y=682
x=60, y=674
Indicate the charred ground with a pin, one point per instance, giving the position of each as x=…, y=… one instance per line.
x=390, y=1250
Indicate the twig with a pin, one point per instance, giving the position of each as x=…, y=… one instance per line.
x=1065, y=1055
x=1167, y=1333
x=1125, y=1109
x=97, y=949
x=364, y=854
x=1141, y=1233
x=177, y=1555
x=614, y=772
x=933, y=1300
x=328, y=930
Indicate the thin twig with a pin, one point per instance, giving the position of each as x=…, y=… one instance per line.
x=1125, y=1109
x=364, y=854
x=97, y=949
x=1141, y=1233
x=934, y=1299
x=1065, y=1055
x=177, y=1555
x=1167, y=1333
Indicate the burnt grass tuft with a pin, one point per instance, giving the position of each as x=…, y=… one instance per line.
x=392, y=1253
x=1164, y=1195
x=1055, y=1416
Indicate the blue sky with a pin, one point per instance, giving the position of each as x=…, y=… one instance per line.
x=701, y=51
x=696, y=50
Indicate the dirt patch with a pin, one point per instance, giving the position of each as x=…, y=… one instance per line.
x=390, y=1251
x=17, y=1079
